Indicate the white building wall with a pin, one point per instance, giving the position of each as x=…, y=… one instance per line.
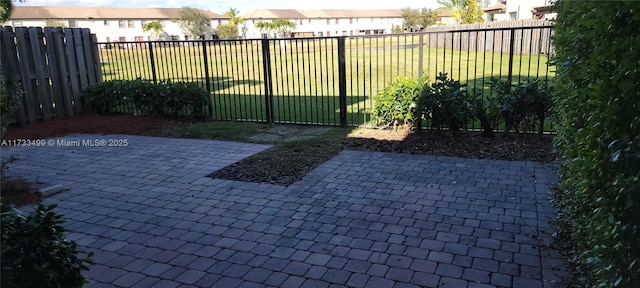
x=521, y=9
x=115, y=30
x=331, y=26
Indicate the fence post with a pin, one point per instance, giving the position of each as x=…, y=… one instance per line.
x=153, y=63
x=268, y=89
x=342, y=80
x=207, y=80
x=205, y=58
x=511, y=47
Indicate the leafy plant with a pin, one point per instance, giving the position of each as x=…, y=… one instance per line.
x=167, y=99
x=153, y=27
x=9, y=100
x=35, y=252
x=396, y=103
x=519, y=106
x=193, y=21
x=228, y=31
x=180, y=99
x=415, y=20
x=106, y=97
x=445, y=103
x=598, y=141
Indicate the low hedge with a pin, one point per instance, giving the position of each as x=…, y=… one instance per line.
x=166, y=99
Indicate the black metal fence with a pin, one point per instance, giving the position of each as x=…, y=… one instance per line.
x=329, y=80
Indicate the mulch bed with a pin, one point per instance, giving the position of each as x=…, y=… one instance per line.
x=95, y=124
x=459, y=144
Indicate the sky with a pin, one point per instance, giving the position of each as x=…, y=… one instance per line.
x=244, y=6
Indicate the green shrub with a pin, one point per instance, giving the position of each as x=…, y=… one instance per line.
x=396, y=103
x=167, y=99
x=8, y=102
x=113, y=96
x=519, y=105
x=598, y=142
x=180, y=99
x=445, y=103
x=35, y=252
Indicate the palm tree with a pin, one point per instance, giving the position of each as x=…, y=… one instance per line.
x=264, y=27
x=236, y=20
x=233, y=14
x=153, y=27
x=283, y=26
x=454, y=6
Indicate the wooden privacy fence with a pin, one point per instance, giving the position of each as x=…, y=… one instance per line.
x=52, y=67
x=495, y=36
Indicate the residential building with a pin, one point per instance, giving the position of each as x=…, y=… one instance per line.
x=111, y=24
x=496, y=10
x=445, y=17
x=319, y=23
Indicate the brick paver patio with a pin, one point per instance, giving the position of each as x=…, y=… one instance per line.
x=362, y=219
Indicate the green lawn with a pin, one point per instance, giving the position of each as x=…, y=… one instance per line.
x=304, y=73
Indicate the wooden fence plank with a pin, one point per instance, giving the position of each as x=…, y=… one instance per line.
x=96, y=58
x=500, y=42
x=41, y=73
x=25, y=67
x=82, y=63
x=87, y=54
x=63, y=66
x=10, y=59
x=73, y=69
x=54, y=71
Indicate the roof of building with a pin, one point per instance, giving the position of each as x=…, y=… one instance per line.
x=497, y=8
x=79, y=12
x=331, y=13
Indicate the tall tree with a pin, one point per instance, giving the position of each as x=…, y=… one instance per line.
x=6, y=8
x=411, y=19
x=415, y=20
x=233, y=14
x=227, y=31
x=283, y=26
x=454, y=6
x=234, y=20
x=193, y=22
x=428, y=17
x=264, y=27
x=472, y=12
x=154, y=28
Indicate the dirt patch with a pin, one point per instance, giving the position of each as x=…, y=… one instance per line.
x=457, y=144
x=19, y=192
x=289, y=133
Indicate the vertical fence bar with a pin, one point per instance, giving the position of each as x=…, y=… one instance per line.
x=207, y=80
x=205, y=58
x=342, y=80
x=268, y=91
x=153, y=63
x=511, y=45
x=318, y=49
x=420, y=55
